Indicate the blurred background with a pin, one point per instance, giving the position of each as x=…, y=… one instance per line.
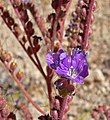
x=95, y=91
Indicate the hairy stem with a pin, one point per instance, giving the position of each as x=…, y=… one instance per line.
x=64, y=104
x=28, y=37
x=26, y=94
x=88, y=23
x=63, y=20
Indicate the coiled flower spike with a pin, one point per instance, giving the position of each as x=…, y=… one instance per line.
x=73, y=67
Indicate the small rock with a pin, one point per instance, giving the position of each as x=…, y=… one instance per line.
x=98, y=75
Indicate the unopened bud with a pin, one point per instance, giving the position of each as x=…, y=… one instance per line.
x=64, y=117
x=90, y=31
x=2, y=103
x=94, y=6
x=92, y=18
x=74, y=14
x=10, y=21
x=6, y=14
x=101, y=108
x=6, y=56
x=79, y=38
x=82, y=26
x=56, y=104
x=54, y=115
x=20, y=75
x=70, y=98
x=107, y=113
x=84, y=12
x=66, y=109
x=17, y=29
x=5, y=112
x=78, y=9
x=81, y=3
x=13, y=66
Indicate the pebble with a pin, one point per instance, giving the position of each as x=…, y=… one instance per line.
x=98, y=75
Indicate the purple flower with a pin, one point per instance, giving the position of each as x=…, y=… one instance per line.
x=73, y=67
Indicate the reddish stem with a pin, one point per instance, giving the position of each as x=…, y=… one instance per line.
x=37, y=64
x=62, y=111
x=87, y=25
x=63, y=21
x=28, y=37
x=39, y=21
x=26, y=94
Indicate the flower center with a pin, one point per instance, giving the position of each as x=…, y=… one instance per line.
x=72, y=72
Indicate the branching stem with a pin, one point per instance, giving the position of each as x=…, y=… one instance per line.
x=26, y=94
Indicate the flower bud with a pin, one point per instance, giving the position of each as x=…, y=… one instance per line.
x=30, y=31
x=64, y=117
x=78, y=9
x=95, y=115
x=66, y=109
x=107, y=113
x=24, y=16
x=74, y=14
x=94, y=6
x=69, y=98
x=6, y=14
x=79, y=38
x=82, y=26
x=2, y=103
x=20, y=75
x=92, y=18
x=6, y=56
x=101, y=108
x=11, y=116
x=13, y=66
x=81, y=3
x=29, y=25
x=10, y=21
x=5, y=112
x=90, y=31
x=84, y=12
x=54, y=115
x=75, y=36
x=56, y=104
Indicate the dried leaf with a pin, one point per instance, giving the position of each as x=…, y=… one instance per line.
x=56, y=4
x=36, y=48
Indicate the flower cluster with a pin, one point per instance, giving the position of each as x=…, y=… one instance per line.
x=58, y=104
x=79, y=28
x=5, y=113
x=102, y=112
x=72, y=66
x=7, y=59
